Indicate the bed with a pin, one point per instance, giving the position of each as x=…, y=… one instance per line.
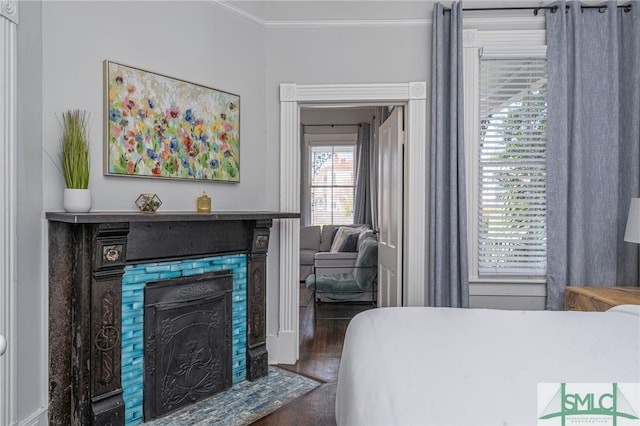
x=445, y=366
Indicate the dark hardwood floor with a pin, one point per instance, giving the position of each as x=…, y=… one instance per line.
x=320, y=351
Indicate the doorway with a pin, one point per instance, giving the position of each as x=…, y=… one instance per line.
x=332, y=157
x=292, y=97
x=339, y=175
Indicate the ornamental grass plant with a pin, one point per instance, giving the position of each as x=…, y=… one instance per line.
x=75, y=149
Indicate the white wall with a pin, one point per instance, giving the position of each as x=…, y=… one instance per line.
x=194, y=41
x=343, y=54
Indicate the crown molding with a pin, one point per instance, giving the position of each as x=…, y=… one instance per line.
x=469, y=22
x=518, y=22
x=332, y=23
x=248, y=16
x=321, y=23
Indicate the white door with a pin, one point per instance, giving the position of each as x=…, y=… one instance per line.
x=390, y=209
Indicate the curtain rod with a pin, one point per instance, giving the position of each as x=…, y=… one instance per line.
x=536, y=9
x=331, y=125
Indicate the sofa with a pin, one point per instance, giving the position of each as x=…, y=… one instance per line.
x=316, y=239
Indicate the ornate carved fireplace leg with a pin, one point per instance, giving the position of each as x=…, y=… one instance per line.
x=107, y=405
x=257, y=357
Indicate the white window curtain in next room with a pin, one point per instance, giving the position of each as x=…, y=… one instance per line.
x=593, y=145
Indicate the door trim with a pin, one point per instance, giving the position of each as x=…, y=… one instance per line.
x=8, y=185
x=293, y=95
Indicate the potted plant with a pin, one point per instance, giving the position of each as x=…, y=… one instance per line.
x=74, y=158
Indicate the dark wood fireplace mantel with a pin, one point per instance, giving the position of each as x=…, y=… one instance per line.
x=175, y=216
x=87, y=256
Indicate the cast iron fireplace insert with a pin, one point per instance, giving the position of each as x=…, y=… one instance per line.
x=187, y=327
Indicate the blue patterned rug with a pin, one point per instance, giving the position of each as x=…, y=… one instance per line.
x=244, y=403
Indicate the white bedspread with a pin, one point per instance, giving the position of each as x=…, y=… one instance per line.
x=443, y=366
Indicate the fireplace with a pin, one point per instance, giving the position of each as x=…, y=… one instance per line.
x=135, y=282
x=187, y=335
x=93, y=312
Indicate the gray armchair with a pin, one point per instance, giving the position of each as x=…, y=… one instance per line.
x=328, y=263
x=354, y=282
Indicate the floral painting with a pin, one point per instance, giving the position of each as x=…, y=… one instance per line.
x=163, y=127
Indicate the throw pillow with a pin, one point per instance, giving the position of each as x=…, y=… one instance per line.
x=350, y=243
x=327, y=235
x=333, y=234
x=341, y=236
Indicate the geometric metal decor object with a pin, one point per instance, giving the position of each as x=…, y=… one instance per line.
x=148, y=203
x=187, y=327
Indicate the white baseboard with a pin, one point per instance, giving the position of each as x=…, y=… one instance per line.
x=39, y=418
x=287, y=347
x=272, y=348
x=282, y=348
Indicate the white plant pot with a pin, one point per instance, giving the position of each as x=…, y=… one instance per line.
x=76, y=200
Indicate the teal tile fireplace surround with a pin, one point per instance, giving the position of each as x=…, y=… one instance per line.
x=133, y=282
x=99, y=264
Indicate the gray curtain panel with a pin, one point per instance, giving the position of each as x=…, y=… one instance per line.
x=448, y=266
x=304, y=176
x=593, y=145
x=362, y=197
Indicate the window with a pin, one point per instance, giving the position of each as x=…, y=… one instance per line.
x=331, y=183
x=505, y=120
x=511, y=165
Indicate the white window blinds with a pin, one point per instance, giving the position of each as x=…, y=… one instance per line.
x=512, y=173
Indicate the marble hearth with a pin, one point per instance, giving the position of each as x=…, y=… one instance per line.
x=92, y=302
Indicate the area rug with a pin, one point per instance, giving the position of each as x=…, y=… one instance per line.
x=244, y=403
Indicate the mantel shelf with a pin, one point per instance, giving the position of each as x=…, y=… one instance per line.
x=166, y=216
